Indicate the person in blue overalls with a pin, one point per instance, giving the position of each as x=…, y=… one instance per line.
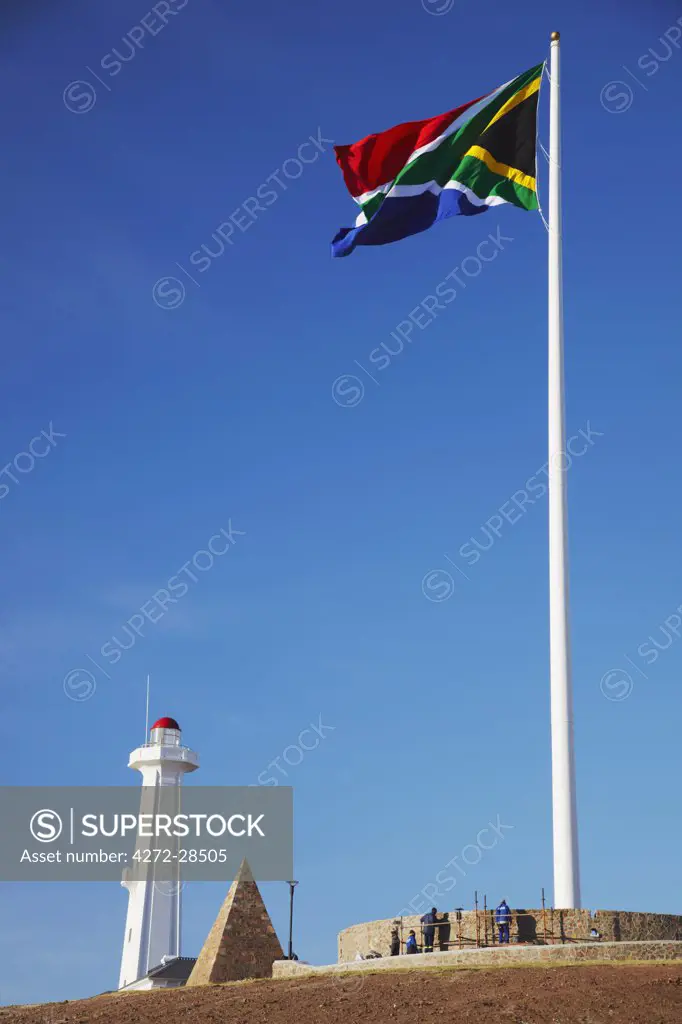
x=503, y=920
x=411, y=944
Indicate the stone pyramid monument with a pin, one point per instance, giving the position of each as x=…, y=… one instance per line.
x=242, y=942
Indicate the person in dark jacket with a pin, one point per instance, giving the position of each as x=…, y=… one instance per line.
x=395, y=943
x=411, y=944
x=429, y=931
x=503, y=919
x=444, y=932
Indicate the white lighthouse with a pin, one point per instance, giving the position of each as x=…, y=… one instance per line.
x=152, y=930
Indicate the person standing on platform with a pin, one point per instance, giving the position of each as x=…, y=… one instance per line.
x=503, y=919
x=444, y=933
x=411, y=944
x=395, y=943
x=429, y=931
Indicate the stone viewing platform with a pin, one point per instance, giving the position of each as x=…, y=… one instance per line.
x=538, y=927
x=468, y=938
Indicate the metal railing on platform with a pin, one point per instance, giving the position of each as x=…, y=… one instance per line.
x=524, y=929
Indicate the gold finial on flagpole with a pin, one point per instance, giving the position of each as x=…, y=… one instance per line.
x=555, y=36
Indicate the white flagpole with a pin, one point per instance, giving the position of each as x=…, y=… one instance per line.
x=565, y=824
x=146, y=716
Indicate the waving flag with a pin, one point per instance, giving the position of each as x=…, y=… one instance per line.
x=462, y=162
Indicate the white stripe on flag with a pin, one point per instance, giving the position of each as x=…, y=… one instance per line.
x=404, y=191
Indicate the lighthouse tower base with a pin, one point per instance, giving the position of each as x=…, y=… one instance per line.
x=173, y=972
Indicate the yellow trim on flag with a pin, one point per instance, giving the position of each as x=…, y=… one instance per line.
x=502, y=169
x=514, y=100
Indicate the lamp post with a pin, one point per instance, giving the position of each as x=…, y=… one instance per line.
x=292, y=886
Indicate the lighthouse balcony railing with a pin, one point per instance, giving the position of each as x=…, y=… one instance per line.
x=180, y=753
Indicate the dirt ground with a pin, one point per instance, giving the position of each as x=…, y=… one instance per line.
x=600, y=994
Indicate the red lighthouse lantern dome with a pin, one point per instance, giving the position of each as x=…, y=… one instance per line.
x=166, y=723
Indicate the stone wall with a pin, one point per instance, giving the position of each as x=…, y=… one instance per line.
x=528, y=926
x=497, y=956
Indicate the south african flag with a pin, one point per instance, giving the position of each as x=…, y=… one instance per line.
x=475, y=156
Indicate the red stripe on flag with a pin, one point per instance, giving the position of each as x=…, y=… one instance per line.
x=379, y=158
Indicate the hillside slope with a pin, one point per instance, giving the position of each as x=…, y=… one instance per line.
x=600, y=994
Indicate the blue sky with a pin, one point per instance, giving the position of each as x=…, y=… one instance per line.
x=220, y=409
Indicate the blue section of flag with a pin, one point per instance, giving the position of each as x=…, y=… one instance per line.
x=401, y=216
